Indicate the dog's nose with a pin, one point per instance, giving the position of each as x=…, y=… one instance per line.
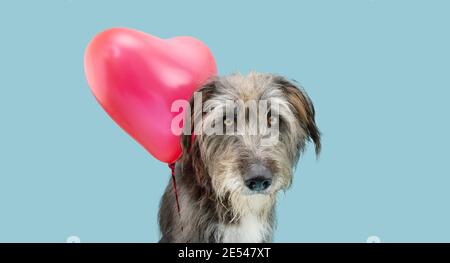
x=259, y=178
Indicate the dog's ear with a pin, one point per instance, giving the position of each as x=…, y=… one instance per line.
x=303, y=107
x=192, y=160
x=206, y=92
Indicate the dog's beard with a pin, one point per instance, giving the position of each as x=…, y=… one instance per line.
x=230, y=189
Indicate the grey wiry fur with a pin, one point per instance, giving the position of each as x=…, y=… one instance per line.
x=215, y=204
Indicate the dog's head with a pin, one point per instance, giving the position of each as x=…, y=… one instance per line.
x=249, y=133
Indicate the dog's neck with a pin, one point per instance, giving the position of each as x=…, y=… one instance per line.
x=250, y=229
x=254, y=222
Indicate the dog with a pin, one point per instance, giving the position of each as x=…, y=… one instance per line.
x=227, y=184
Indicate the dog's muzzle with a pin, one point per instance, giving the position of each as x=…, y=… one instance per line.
x=258, y=178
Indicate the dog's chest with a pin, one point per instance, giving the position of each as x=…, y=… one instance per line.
x=250, y=229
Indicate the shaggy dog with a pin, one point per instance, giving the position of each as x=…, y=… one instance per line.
x=227, y=184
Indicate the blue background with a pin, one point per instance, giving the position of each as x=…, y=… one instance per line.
x=377, y=71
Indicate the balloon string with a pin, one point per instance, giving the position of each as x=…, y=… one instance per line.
x=174, y=182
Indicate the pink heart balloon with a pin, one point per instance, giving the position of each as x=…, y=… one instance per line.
x=136, y=77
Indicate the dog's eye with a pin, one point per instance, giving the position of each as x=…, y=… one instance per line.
x=271, y=120
x=228, y=122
